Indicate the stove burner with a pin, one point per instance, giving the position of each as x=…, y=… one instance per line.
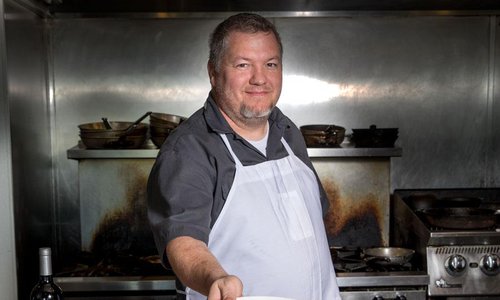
x=347, y=259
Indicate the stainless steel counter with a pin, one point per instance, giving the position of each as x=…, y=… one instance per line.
x=167, y=283
x=121, y=284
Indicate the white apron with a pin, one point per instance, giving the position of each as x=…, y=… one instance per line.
x=270, y=232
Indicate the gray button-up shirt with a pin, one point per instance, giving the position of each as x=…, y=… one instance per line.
x=194, y=171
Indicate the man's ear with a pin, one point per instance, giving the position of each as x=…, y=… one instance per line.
x=211, y=73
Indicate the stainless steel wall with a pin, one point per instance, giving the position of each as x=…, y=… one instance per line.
x=431, y=76
x=428, y=75
x=8, y=279
x=30, y=114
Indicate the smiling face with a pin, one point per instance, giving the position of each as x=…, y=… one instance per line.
x=247, y=83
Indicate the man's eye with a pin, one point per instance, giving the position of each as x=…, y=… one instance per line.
x=242, y=65
x=272, y=65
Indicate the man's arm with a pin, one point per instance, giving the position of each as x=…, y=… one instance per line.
x=197, y=268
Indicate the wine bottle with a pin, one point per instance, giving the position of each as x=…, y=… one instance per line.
x=46, y=289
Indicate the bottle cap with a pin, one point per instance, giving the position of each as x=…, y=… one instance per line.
x=45, y=251
x=45, y=261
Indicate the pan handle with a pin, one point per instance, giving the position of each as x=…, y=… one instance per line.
x=106, y=123
x=134, y=125
x=377, y=259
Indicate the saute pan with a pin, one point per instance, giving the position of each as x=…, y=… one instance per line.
x=388, y=255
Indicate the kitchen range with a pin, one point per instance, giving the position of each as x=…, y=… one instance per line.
x=456, y=235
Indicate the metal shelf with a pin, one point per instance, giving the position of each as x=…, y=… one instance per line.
x=349, y=150
x=150, y=151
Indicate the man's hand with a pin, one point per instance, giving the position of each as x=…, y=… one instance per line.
x=197, y=268
x=226, y=288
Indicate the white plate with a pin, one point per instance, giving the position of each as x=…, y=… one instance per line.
x=262, y=298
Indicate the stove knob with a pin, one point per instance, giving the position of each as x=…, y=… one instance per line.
x=378, y=298
x=455, y=264
x=490, y=264
x=400, y=297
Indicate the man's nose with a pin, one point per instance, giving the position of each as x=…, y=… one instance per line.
x=258, y=76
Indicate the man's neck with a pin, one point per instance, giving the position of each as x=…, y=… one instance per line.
x=252, y=132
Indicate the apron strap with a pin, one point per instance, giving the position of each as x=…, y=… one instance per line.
x=228, y=146
x=287, y=147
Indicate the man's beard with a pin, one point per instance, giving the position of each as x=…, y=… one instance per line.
x=245, y=115
x=249, y=114
x=251, y=117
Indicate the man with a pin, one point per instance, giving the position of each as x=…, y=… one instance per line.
x=234, y=202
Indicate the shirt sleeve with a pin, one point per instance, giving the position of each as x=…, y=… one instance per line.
x=180, y=192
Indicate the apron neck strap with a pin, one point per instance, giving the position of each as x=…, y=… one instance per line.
x=228, y=146
x=236, y=159
x=287, y=147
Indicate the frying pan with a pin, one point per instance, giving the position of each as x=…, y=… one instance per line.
x=375, y=137
x=323, y=135
x=425, y=201
x=460, y=217
x=388, y=255
x=460, y=202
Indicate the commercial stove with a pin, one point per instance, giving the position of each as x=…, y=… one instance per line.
x=460, y=252
x=360, y=280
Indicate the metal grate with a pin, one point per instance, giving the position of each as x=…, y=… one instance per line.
x=468, y=249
